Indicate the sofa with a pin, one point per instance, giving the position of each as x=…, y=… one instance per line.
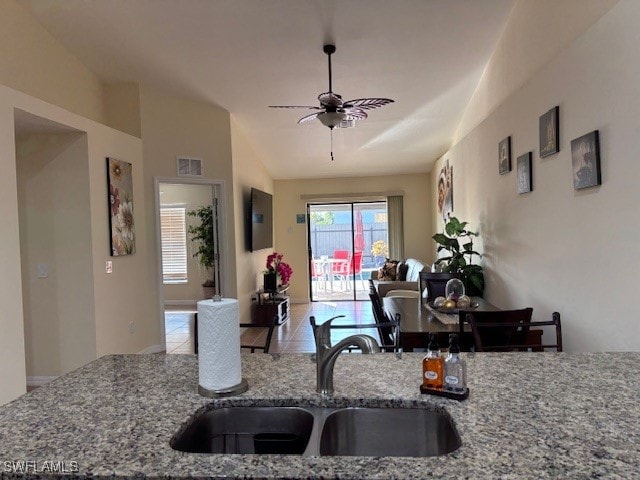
x=407, y=277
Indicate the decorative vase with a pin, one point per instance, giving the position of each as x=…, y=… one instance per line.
x=270, y=282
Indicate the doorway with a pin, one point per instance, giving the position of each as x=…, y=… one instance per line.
x=346, y=241
x=181, y=204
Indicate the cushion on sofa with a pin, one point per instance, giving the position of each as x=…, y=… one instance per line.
x=414, y=267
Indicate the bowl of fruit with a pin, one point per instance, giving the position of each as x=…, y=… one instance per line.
x=452, y=304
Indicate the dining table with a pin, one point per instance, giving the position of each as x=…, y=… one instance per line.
x=418, y=320
x=327, y=266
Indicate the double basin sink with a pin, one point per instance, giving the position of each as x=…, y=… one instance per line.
x=351, y=431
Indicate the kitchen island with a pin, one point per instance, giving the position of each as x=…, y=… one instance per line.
x=534, y=415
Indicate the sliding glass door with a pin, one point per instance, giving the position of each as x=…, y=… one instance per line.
x=347, y=240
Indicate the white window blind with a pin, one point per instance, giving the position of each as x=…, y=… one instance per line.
x=174, y=244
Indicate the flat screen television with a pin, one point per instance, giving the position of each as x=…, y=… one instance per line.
x=261, y=220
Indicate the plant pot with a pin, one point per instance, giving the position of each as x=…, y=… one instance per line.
x=209, y=289
x=270, y=282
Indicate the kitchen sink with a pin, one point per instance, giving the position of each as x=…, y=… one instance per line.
x=352, y=431
x=283, y=430
x=396, y=432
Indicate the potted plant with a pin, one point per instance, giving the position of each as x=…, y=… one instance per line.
x=457, y=242
x=202, y=235
x=276, y=268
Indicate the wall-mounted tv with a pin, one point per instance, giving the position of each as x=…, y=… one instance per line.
x=261, y=220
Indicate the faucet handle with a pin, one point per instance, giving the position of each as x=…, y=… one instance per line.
x=322, y=332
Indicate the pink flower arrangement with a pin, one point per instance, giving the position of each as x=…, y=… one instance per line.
x=277, y=266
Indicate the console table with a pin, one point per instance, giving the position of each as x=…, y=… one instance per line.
x=266, y=305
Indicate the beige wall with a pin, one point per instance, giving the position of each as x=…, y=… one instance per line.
x=122, y=107
x=53, y=192
x=291, y=238
x=12, y=352
x=191, y=197
x=248, y=172
x=119, y=298
x=536, y=31
x=33, y=62
x=173, y=127
x=556, y=248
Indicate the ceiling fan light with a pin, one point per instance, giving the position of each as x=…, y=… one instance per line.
x=331, y=119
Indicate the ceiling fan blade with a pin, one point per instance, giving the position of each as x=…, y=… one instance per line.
x=308, y=118
x=296, y=106
x=367, y=103
x=330, y=99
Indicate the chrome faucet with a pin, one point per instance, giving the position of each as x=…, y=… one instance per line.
x=326, y=355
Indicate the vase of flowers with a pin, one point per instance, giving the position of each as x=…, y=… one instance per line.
x=278, y=273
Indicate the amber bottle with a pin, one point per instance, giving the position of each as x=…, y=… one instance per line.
x=432, y=365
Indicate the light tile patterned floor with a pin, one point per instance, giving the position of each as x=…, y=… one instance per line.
x=293, y=336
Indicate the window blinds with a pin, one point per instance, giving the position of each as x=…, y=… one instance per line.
x=174, y=244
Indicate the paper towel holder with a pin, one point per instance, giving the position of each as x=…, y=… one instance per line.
x=242, y=387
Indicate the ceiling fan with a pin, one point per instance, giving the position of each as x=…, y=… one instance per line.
x=333, y=111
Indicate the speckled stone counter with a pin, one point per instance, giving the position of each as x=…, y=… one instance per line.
x=528, y=416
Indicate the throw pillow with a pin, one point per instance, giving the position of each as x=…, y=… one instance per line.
x=401, y=271
x=388, y=270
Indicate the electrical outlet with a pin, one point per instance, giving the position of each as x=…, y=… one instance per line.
x=109, y=267
x=132, y=327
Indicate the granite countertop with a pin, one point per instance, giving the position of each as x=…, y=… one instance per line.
x=533, y=415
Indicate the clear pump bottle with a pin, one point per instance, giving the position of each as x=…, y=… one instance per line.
x=455, y=368
x=432, y=365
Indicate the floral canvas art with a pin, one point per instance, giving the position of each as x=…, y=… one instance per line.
x=120, y=184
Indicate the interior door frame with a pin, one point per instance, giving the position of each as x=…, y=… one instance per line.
x=219, y=190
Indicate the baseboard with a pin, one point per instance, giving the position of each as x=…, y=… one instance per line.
x=39, y=381
x=180, y=303
x=152, y=349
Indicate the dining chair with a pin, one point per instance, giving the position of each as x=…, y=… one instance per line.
x=493, y=334
x=508, y=330
x=403, y=293
x=435, y=283
x=318, y=274
x=388, y=328
x=269, y=333
x=386, y=344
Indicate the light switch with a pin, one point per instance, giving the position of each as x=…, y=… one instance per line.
x=43, y=270
x=109, y=267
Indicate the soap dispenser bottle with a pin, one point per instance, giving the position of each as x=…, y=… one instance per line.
x=432, y=365
x=455, y=368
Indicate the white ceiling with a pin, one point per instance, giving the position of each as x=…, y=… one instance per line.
x=243, y=55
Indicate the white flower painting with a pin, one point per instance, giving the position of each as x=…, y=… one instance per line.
x=119, y=176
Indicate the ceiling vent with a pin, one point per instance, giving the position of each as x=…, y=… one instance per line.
x=189, y=167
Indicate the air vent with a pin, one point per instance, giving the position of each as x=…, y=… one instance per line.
x=189, y=167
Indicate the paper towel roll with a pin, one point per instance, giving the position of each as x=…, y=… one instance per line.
x=219, y=344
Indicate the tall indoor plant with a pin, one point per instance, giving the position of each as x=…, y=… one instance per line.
x=457, y=242
x=202, y=236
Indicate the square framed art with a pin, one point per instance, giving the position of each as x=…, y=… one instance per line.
x=550, y=132
x=523, y=169
x=504, y=156
x=585, y=160
x=120, y=199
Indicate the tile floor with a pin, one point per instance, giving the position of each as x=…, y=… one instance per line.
x=293, y=336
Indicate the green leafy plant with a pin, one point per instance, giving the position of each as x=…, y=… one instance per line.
x=202, y=236
x=457, y=242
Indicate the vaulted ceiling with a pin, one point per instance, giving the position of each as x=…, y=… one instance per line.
x=243, y=55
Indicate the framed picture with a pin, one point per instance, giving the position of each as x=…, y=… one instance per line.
x=550, y=133
x=445, y=191
x=504, y=156
x=523, y=169
x=585, y=159
x=120, y=199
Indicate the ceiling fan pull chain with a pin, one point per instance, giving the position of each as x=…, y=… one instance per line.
x=332, y=144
